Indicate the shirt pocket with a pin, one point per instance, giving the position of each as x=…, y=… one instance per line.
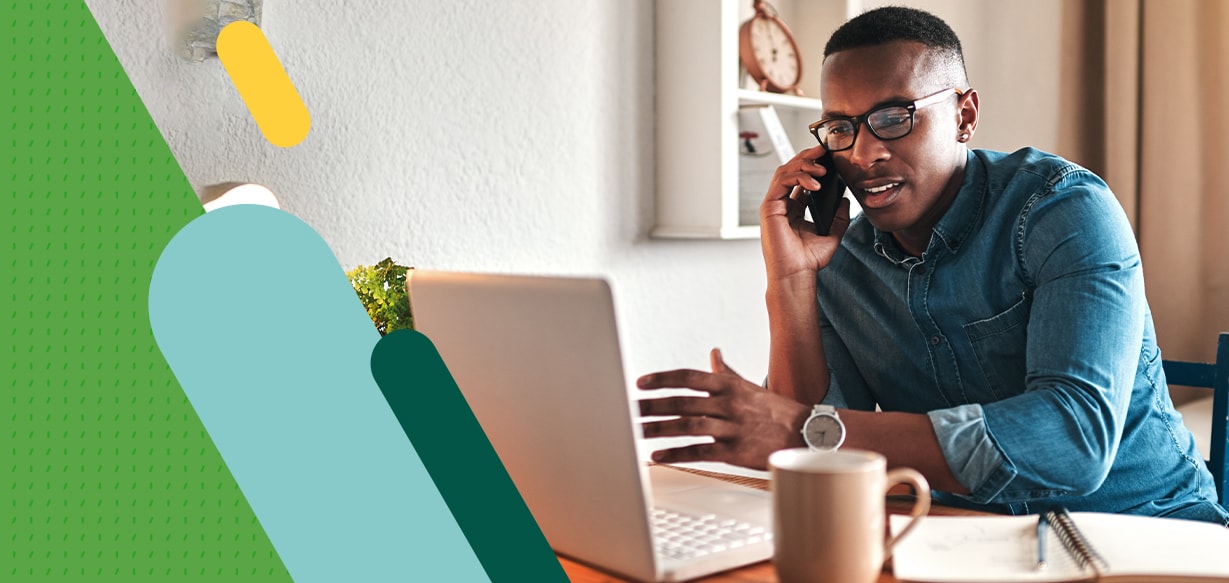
x=1000, y=342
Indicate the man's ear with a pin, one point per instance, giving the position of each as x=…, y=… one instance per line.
x=967, y=115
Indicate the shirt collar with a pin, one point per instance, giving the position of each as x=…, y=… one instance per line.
x=956, y=225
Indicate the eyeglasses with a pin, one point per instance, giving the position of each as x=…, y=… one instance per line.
x=890, y=121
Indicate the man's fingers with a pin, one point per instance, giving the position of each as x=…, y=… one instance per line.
x=683, y=379
x=718, y=363
x=840, y=222
x=798, y=178
x=690, y=426
x=700, y=452
x=681, y=406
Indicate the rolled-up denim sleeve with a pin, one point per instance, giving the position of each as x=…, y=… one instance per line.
x=1052, y=441
x=973, y=457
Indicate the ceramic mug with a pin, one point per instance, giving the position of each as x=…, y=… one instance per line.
x=829, y=514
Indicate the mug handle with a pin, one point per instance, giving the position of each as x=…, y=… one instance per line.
x=922, y=489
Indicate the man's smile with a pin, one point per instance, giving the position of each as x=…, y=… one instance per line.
x=878, y=193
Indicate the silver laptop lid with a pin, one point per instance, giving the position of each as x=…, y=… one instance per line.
x=538, y=361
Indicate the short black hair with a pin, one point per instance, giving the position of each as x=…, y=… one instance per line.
x=900, y=23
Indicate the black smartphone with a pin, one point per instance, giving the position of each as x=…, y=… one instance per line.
x=823, y=204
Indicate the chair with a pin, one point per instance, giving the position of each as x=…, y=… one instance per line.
x=1213, y=376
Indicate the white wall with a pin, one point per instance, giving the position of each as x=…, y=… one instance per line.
x=517, y=136
x=1015, y=61
x=512, y=136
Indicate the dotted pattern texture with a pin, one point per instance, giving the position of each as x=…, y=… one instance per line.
x=105, y=471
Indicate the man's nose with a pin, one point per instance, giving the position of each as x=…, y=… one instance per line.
x=867, y=149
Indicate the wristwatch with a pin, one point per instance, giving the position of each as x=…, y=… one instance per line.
x=823, y=430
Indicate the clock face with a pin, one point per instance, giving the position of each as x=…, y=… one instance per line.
x=775, y=52
x=824, y=432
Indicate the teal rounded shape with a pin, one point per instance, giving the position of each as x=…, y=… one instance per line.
x=272, y=347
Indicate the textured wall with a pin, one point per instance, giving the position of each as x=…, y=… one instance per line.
x=510, y=136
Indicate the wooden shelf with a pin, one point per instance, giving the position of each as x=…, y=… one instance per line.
x=699, y=90
x=750, y=96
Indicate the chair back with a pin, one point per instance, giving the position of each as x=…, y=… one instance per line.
x=1215, y=376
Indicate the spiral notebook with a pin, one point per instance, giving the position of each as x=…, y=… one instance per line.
x=1087, y=546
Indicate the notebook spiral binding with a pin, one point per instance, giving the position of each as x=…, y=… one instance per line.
x=1075, y=543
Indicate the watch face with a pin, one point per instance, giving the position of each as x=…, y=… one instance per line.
x=824, y=432
x=775, y=52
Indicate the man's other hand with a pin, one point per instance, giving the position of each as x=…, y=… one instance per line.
x=746, y=422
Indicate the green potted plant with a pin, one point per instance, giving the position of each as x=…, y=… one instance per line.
x=381, y=288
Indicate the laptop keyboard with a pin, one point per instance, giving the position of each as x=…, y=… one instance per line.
x=678, y=535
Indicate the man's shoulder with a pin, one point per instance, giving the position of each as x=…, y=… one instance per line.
x=1029, y=173
x=1004, y=165
x=1049, y=197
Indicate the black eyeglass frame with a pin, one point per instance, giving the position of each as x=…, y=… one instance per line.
x=859, y=120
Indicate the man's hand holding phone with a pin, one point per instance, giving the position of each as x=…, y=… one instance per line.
x=792, y=246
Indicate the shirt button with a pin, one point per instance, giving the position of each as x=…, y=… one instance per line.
x=934, y=340
x=921, y=270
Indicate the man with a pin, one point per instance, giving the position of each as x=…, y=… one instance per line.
x=991, y=305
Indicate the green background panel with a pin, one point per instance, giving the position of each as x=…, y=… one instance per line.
x=105, y=470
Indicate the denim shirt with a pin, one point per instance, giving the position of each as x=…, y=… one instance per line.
x=1023, y=332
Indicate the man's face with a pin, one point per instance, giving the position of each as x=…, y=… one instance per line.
x=921, y=171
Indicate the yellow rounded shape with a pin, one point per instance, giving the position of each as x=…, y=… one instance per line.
x=263, y=84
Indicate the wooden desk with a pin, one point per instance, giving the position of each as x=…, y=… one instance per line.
x=762, y=572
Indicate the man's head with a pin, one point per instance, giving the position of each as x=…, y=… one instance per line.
x=897, y=23
x=897, y=56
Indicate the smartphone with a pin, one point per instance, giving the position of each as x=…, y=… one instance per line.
x=824, y=202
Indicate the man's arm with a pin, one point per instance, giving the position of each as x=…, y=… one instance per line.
x=905, y=439
x=793, y=254
x=797, y=367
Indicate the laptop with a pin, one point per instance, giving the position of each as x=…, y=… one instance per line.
x=538, y=360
